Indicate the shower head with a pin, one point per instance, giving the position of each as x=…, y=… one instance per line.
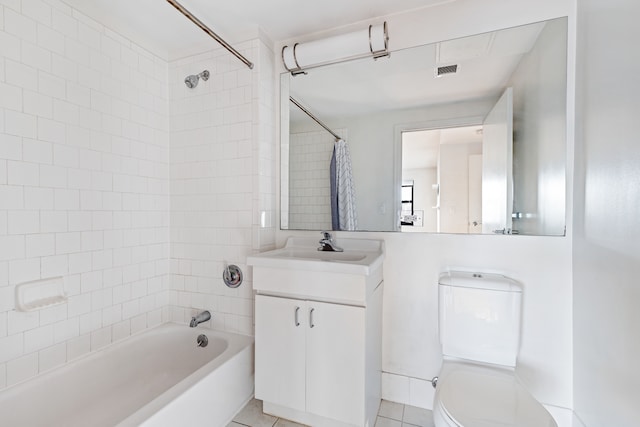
x=192, y=80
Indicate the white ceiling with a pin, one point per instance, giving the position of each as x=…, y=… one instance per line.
x=407, y=78
x=157, y=26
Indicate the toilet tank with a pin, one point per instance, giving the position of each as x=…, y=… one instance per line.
x=479, y=317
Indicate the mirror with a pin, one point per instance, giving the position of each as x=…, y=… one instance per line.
x=460, y=136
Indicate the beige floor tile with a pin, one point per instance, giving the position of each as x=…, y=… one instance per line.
x=387, y=422
x=391, y=410
x=286, y=423
x=251, y=415
x=417, y=416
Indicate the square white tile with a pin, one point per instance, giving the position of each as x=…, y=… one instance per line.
x=390, y=414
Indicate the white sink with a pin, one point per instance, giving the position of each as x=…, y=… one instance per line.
x=360, y=256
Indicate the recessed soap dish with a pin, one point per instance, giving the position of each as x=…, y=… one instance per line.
x=39, y=294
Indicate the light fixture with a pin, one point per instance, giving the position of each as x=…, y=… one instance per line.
x=372, y=42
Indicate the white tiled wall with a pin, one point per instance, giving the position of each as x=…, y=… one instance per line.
x=222, y=180
x=86, y=121
x=84, y=190
x=309, y=189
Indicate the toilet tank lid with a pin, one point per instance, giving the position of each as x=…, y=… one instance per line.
x=467, y=279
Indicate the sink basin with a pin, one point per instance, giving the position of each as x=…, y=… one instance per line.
x=319, y=255
x=300, y=271
x=360, y=256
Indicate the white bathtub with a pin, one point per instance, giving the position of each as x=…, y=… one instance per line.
x=157, y=378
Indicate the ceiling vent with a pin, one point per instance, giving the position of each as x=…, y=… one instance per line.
x=448, y=69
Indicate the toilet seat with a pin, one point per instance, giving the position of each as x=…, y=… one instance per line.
x=485, y=397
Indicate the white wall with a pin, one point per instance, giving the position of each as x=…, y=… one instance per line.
x=411, y=350
x=84, y=194
x=411, y=347
x=222, y=181
x=607, y=205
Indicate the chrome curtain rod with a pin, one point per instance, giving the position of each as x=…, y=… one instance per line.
x=208, y=30
x=308, y=113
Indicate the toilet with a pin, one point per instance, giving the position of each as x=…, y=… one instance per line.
x=479, y=322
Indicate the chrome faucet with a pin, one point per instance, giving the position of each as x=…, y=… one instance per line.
x=199, y=318
x=327, y=244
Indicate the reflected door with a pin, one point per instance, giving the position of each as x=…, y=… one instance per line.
x=475, y=193
x=497, y=166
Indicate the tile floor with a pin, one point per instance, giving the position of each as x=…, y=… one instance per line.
x=390, y=415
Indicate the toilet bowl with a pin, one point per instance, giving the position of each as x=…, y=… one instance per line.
x=479, y=324
x=471, y=395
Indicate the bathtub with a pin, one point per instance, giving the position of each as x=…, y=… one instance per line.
x=157, y=378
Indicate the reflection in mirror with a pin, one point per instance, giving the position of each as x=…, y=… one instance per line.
x=446, y=192
x=462, y=136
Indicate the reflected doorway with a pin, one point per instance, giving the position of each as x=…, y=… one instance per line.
x=442, y=180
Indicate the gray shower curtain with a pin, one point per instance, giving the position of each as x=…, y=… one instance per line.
x=343, y=197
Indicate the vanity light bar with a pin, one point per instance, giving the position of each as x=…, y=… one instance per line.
x=373, y=42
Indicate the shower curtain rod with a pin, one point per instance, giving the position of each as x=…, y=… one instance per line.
x=208, y=30
x=308, y=113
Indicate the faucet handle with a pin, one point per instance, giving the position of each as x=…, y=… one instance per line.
x=326, y=235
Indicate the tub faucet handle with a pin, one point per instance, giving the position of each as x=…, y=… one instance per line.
x=199, y=318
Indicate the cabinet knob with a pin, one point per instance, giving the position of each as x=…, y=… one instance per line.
x=311, y=324
x=296, y=316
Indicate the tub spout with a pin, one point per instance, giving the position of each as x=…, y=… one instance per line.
x=199, y=318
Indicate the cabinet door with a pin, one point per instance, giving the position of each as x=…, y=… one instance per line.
x=336, y=361
x=280, y=351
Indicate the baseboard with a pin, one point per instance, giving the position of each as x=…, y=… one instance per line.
x=407, y=390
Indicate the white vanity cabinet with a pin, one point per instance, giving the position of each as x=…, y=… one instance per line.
x=311, y=357
x=318, y=343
